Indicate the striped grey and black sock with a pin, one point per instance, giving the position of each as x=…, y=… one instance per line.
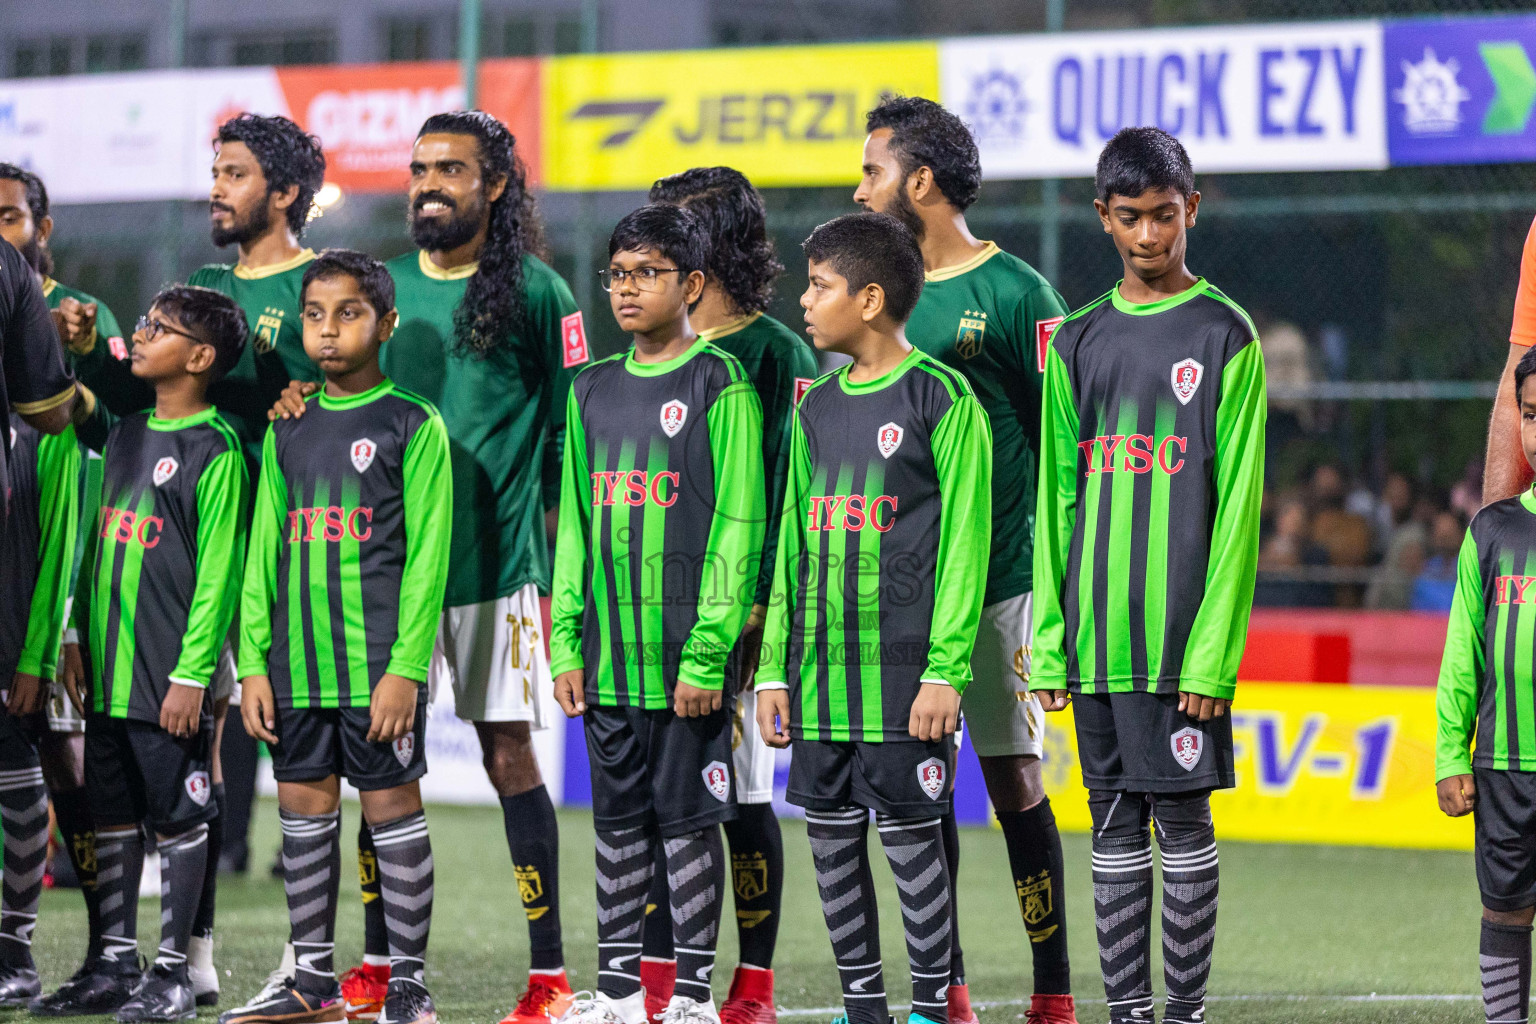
x=24, y=813
x=183, y=861
x=1504, y=957
x=841, y=854
x=1122, y=903
x=1191, y=880
x=311, y=879
x=696, y=880
x=404, y=853
x=119, y=866
x=915, y=849
x=624, y=865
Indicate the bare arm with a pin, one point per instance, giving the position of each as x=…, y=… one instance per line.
x=1505, y=473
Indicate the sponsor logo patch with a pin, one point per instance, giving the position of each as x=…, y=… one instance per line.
x=165, y=469
x=1187, y=746
x=573, y=337
x=673, y=415
x=404, y=747
x=802, y=385
x=199, y=788
x=888, y=439
x=363, y=451
x=930, y=776
x=1043, y=331
x=1186, y=377
x=117, y=348
x=717, y=780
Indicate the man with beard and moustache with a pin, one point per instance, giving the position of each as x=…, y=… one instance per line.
x=989, y=315
x=490, y=335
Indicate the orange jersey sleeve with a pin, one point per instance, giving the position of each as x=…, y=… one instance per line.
x=1523, y=331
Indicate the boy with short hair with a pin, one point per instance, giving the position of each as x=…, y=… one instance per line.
x=347, y=566
x=661, y=523
x=887, y=515
x=164, y=577
x=1486, y=677
x=1146, y=548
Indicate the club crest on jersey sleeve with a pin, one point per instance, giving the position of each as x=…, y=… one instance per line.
x=888, y=439
x=573, y=339
x=1043, y=331
x=165, y=469
x=1188, y=745
x=930, y=776
x=673, y=415
x=363, y=451
x=717, y=780
x=1186, y=377
x=404, y=747
x=199, y=788
x=802, y=385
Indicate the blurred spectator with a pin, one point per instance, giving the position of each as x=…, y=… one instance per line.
x=1436, y=583
x=1467, y=493
x=1290, y=547
x=1405, y=521
x=1345, y=535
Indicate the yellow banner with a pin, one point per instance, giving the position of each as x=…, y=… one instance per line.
x=787, y=116
x=1315, y=764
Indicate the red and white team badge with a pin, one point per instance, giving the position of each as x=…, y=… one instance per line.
x=1043, y=331
x=888, y=439
x=404, y=747
x=930, y=776
x=573, y=336
x=802, y=385
x=718, y=781
x=1187, y=746
x=1187, y=375
x=363, y=451
x=673, y=415
x=199, y=788
x=118, y=349
x=165, y=469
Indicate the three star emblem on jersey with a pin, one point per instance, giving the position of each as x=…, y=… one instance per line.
x=199, y=788
x=1186, y=377
x=1187, y=747
x=404, y=747
x=673, y=415
x=363, y=451
x=930, y=776
x=971, y=334
x=717, y=780
x=888, y=439
x=165, y=469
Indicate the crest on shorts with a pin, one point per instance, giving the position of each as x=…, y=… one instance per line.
x=888, y=439
x=1186, y=378
x=199, y=789
x=1187, y=746
x=165, y=469
x=363, y=451
x=717, y=779
x=673, y=415
x=404, y=747
x=930, y=776
x=971, y=334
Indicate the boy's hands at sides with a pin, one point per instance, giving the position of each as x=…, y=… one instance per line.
x=28, y=694
x=570, y=692
x=773, y=717
x=691, y=702
x=1053, y=700
x=182, y=711
x=290, y=405
x=1457, y=795
x=392, y=708
x=935, y=712
x=258, y=708
x=1202, y=708
x=72, y=675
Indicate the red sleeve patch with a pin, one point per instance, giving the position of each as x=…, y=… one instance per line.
x=117, y=348
x=802, y=384
x=1043, y=331
x=573, y=338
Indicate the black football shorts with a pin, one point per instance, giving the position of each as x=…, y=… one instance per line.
x=316, y=743
x=1504, y=838
x=136, y=771
x=904, y=779
x=1141, y=742
x=652, y=769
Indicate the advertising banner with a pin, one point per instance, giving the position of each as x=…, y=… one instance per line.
x=1249, y=98
x=782, y=116
x=1461, y=90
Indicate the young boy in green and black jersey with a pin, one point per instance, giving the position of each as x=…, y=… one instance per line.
x=887, y=522
x=164, y=578
x=1146, y=548
x=1485, y=690
x=661, y=525
x=343, y=585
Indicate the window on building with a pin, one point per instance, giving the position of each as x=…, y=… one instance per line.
x=114, y=53
x=35, y=58
x=313, y=47
x=519, y=37
x=408, y=39
x=567, y=35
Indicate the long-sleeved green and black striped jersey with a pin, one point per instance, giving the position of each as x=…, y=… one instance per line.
x=1487, y=684
x=37, y=547
x=661, y=525
x=882, y=560
x=349, y=548
x=1151, y=475
x=166, y=573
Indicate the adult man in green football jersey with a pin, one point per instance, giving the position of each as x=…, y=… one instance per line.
x=987, y=314
x=490, y=335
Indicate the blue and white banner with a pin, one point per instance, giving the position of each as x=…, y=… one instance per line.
x=1302, y=97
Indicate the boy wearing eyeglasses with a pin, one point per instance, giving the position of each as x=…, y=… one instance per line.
x=164, y=578
x=661, y=526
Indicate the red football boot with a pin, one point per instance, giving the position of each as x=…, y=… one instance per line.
x=363, y=988
x=960, y=1011
x=750, y=1000
x=657, y=977
x=546, y=999
x=1050, y=1010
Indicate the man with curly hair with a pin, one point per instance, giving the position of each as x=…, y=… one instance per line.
x=489, y=334
x=988, y=314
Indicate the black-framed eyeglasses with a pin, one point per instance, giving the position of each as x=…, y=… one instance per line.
x=645, y=278
x=152, y=329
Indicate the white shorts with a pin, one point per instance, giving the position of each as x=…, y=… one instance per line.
x=495, y=657
x=62, y=716
x=752, y=758
x=1002, y=717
